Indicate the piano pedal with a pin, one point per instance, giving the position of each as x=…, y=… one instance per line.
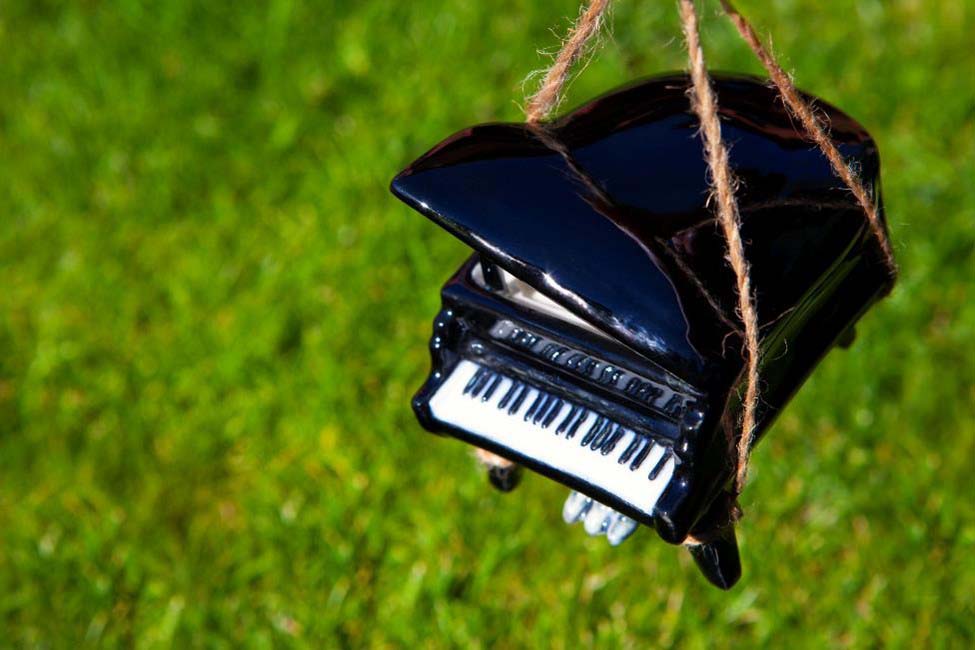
x=597, y=518
x=502, y=473
x=576, y=506
x=621, y=530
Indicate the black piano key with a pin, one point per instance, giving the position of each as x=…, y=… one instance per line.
x=558, y=353
x=493, y=386
x=539, y=400
x=481, y=383
x=476, y=378
x=593, y=430
x=613, y=439
x=648, y=394
x=552, y=413
x=632, y=386
x=642, y=456
x=602, y=435
x=515, y=385
x=589, y=367
x=583, y=413
x=522, y=394
x=660, y=463
x=674, y=406
x=630, y=449
x=568, y=419
x=543, y=409
x=574, y=360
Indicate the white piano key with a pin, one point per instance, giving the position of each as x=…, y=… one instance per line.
x=506, y=418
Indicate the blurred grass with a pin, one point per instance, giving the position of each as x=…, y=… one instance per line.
x=212, y=316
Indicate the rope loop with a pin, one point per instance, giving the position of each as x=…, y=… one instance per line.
x=721, y=177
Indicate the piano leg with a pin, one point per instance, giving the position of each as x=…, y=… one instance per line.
x=847, y=338
x=505, y=479
x=718, y=558
x=713, y=544
x=502, y=473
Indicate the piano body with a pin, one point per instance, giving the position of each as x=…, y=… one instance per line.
x=592, y=335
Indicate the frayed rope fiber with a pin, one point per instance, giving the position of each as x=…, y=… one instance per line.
x=723, y=183
x=705, y=105
x=815, y=130
x=547, y=98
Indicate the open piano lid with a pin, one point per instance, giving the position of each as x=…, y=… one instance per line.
x=607, y=213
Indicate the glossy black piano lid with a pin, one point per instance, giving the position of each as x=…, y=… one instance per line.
x=608, y=216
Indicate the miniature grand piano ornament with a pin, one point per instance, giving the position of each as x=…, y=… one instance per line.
x=592, y=335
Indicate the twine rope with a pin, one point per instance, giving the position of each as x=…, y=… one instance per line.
x=723, y=183
x=721, y=177
x=815, y=130
x=549, y=94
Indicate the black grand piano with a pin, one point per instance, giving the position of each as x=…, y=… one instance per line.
x=592, y=335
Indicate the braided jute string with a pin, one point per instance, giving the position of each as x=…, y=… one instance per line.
x=723, y=183
x=815, y=130
x=722, y=179
x=547, y=98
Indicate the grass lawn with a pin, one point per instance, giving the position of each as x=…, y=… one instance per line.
x=213, y=315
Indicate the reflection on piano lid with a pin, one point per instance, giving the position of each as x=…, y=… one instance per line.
x=592, y=336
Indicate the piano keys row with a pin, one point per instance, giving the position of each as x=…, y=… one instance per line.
x=542, y=409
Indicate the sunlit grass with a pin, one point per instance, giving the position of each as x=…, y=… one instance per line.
x=213, y=314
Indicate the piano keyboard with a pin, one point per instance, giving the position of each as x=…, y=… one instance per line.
x=554, y=432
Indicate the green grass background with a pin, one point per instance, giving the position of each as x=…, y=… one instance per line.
x=213, y=314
